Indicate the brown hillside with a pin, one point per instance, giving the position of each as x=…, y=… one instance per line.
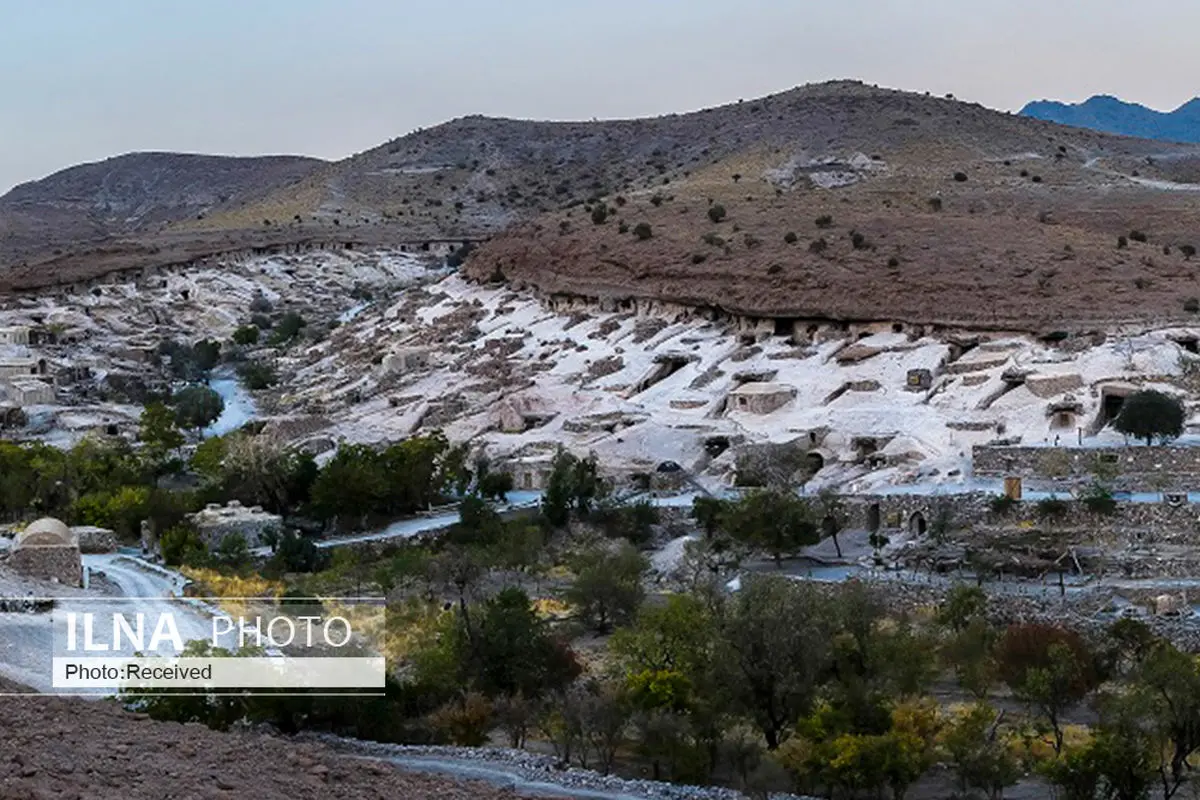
x=1029, y=240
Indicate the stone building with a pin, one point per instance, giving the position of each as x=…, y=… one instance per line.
x=19, y=367
x=25, y=392
x=14, y=335
x=760, y=398
x=406, y=359
x=216, y=522
x=49, y=551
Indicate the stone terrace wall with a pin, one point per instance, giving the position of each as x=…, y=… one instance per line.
x=1138, y=467
x=61, y=564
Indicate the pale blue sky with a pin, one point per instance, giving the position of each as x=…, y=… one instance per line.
x=85, y=79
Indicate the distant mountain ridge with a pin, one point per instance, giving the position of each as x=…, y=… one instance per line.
x=1110, y=114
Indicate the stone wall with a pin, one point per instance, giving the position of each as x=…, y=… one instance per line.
x=49, y=563
x=1138, y=467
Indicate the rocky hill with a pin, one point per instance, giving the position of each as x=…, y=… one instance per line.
x=837, y=201
x=1112, y=115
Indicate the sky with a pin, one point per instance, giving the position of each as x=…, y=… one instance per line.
x=88, y=79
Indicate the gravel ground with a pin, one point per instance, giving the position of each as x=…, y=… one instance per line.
x=529, y=772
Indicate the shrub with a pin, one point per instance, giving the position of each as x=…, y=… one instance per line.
x=1051, y=507
x=1122, y=242
x=623, y=227
x=716, y=213
x=1188, y=250
x=960, y=177
x=699, y=258
x=1037, y=178
x=858, y=241
x=1138, y=236
x=657, y=200
x=817, y=246
x=1002, y=504
x=824, y=221
x=256, y=376
x=790, y=237
x=935, y=204
x=893, y=262
x=600, y=214
x=246, y=335
x=774, y=269
x=1191, y=305
x=1099, y=500
x=643, y=231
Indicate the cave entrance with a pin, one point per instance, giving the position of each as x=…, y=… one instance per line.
x=1110, y=408
x=917, y=525
x=873, y=518
x=786, y=326
x=815, y=462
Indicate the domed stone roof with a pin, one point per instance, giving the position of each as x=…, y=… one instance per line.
x=46, y=532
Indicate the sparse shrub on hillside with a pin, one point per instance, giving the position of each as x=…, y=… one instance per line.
x=893, y=262
x=699, y=258
x=774, y=269
x=1051, y=508
x=623, y=227
x=790, y=237
x=1166, y=249
x=935, y=204
x=246, y=335
x=643, y=231
x=737, y=176
x=818, y=246
x=858, y=241
x=1192, y=305
x=713, y=240
x=1138, y=236
x=751, y=241
x=1187, y=250
x=716, y=213
x=1037, y=178
x=656, y=200
x=1002, y=504
x=1122, y=242
x=1099, y=500
x=620, y=201
x=600, y=214
x=824, y=221
x=1141, y=283
x=960, y=177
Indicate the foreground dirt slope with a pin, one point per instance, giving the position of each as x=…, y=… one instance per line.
x=68, y=749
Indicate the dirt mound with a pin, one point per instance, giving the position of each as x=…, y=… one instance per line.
x=59, y=749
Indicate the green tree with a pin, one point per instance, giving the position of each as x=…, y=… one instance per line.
x=776, y=521
x=288, y=328
x=257, y=375
x=774, y=649
x=159, y=433
x=574, y=485
x=495, y=485
x=182, y=545
x=197, y=407
x=1049, y=668
x=608, y=585
x=233, y=552
x=978, y=753
x=1151, y=415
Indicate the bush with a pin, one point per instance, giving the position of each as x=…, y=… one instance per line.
x=1191, y=305
x=790, y=237
x=623, y=227
x=818, y=246
x=257, y=375
x=246, y=335
x=960, y=177
x=935, y=204
x=824, y=221
x=657, y=200
x=1002, y=504
x=1051, y=507
x=1099, y=500
x=1138, y=236
x=1037, y=178
x=643, y=231
x=1122, y=242
x=858, y=241
x=1188, y=250
x=600, y=214
x=716, y=213
x=699, y=258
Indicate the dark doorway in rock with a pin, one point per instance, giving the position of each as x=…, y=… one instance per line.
x=873, y=518
x=1113, y=403
x=815, y=461
x=917, y=525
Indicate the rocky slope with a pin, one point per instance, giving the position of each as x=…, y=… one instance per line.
x=932, y=210
x=1112, y=115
